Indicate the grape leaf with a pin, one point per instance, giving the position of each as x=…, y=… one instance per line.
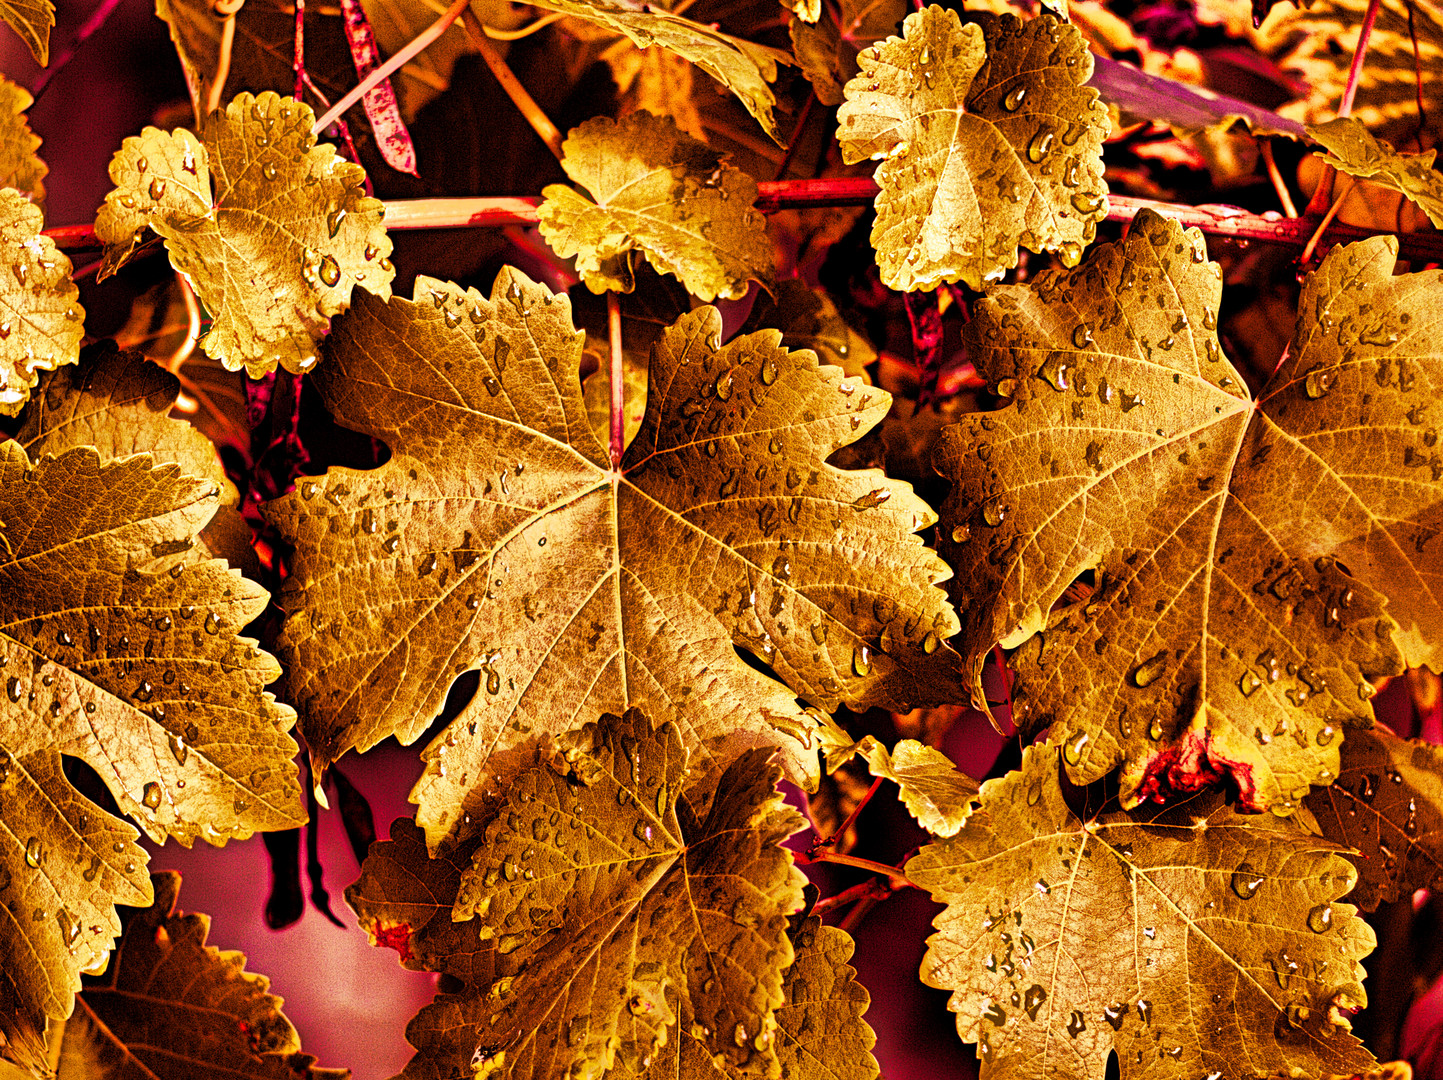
x=1230, y=954
x=1387, y=804
x=988, y=138
x=808, y=319
x=658, y=190
x=271, y=230
x=20, y=167
x=933, y=790
x=743, y=67
x=827, y=48
x=820, y=1031
x=172, y=1005
x=1353, y=149
x=1187, y=110
x=40, y=322
x=33, y=21
x=119, y=402
x=497, y=536
x=116, y=650
x=1219, y=636
x=604, y=903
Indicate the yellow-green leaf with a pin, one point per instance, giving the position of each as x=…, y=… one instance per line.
x=655, y=189
x=605, y=904
x=40, y=322
x=933, y=790
x=1226, y=947
x=827, y=47
x=272, y=231
x=1353, y=149
x=171, y=1006
x=1218, y=633
x=20, y=167
x=33, y=21
x=499, y=537
x=1387, y=804
x=117, y=649
x=988, y=139
x=743, y=67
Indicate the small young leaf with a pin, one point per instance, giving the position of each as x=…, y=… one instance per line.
x=118, y=649
x=272, y=231
x=32, y=20
x=40, y=322
x=1388, y=804
x=1227, y=943
x=1219, y=635
x=933, y=790
x=743, y=67
x=808, y=319
x=20, y=168
x=988, y=138
x=1353, y=150
x=171, y=1005
x=606, y=910
x=827, y=48
x=660, y=191
x=499, y=537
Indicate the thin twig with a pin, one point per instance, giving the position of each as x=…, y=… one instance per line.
x=403, y=57
x=841, y=830
x=57, y=64
x=1312, y=243
x=618, y=398
x=298, y=64
x=1279, y=185
x=228, y=9
x=525, y=31
x=871, y=889
x=829, y=856
x=539, y=121
x=1345, y=108
x=192, y=329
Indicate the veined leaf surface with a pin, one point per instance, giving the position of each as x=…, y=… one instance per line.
x=40, y=322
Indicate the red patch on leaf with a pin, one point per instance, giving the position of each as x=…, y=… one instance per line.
x=1189, y=766
x=396, y=937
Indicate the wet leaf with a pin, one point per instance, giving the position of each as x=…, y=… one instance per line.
x=497, y=537
x=657, y=190
x=605, y=905
x=1388, y=804
x=808, y=319
x=1214, y=634
x=32, y=20
x=820, y=1031
x=827, y=47
x=40, y=322
x=743, y=67
x=1217, y=957
x=272, y=230
x=117, y=650
x=988, y=139
x=172, y=1005
x=1352, y=149
x=20, y=167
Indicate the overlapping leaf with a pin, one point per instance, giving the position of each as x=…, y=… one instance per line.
x=827, y=46
x=20, y=168
x=1387, y=804
x=988, y=139
x=1218, y=636
x=808, y=319
x=743, y=67
x=1227, y=951
x=1187, y=110
x=33, y=21
x=171, y=1005
x=1353, y=149
x=932, y=789
x=603, y=908
x=119, y=650
x=498, y=537
x=40, y=322
x=655, y=189
x=272, y=231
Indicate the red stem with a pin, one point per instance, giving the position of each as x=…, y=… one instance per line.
x=1225, y=222
x=299, y=63
x=618, y=403
x=841, y=829
x=1359, y=51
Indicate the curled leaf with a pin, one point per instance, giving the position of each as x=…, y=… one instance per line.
x=988, y=139
x=272, y=231
x=40, y=322
x=32, y=20
x=1353, y=149
x=1230, y=944
x=20, y=167
x=655, y=189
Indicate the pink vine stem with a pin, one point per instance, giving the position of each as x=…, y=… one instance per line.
x=618, y=415
x=1345, y=108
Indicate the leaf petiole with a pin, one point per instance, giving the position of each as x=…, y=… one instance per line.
x=618, y=402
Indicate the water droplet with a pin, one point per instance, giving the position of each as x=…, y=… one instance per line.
x=212, y=623
x=1319, y=382
x=1115, y=1014
x=12, y=688
x=334, y=219
x=34, y=852
x=1248, y=683
x=178, y=749
x=330, y=271
x=1320, y=919
x=1144, y=1010
x=1075, y=1024
x=1072, y=748
x=1013, y=101
x=150, y=798
x=1147, y=672
x=723, y=386
x=862, y=660
x=1246, y=881
x=157, y=189
x=1082, y=335
x=875, y=497
x=1033, y=999
x=769, y=372
x=994, y=513
x=994, y=1014
x=961, y=533
x=1284, y=968
x=1039, y=145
